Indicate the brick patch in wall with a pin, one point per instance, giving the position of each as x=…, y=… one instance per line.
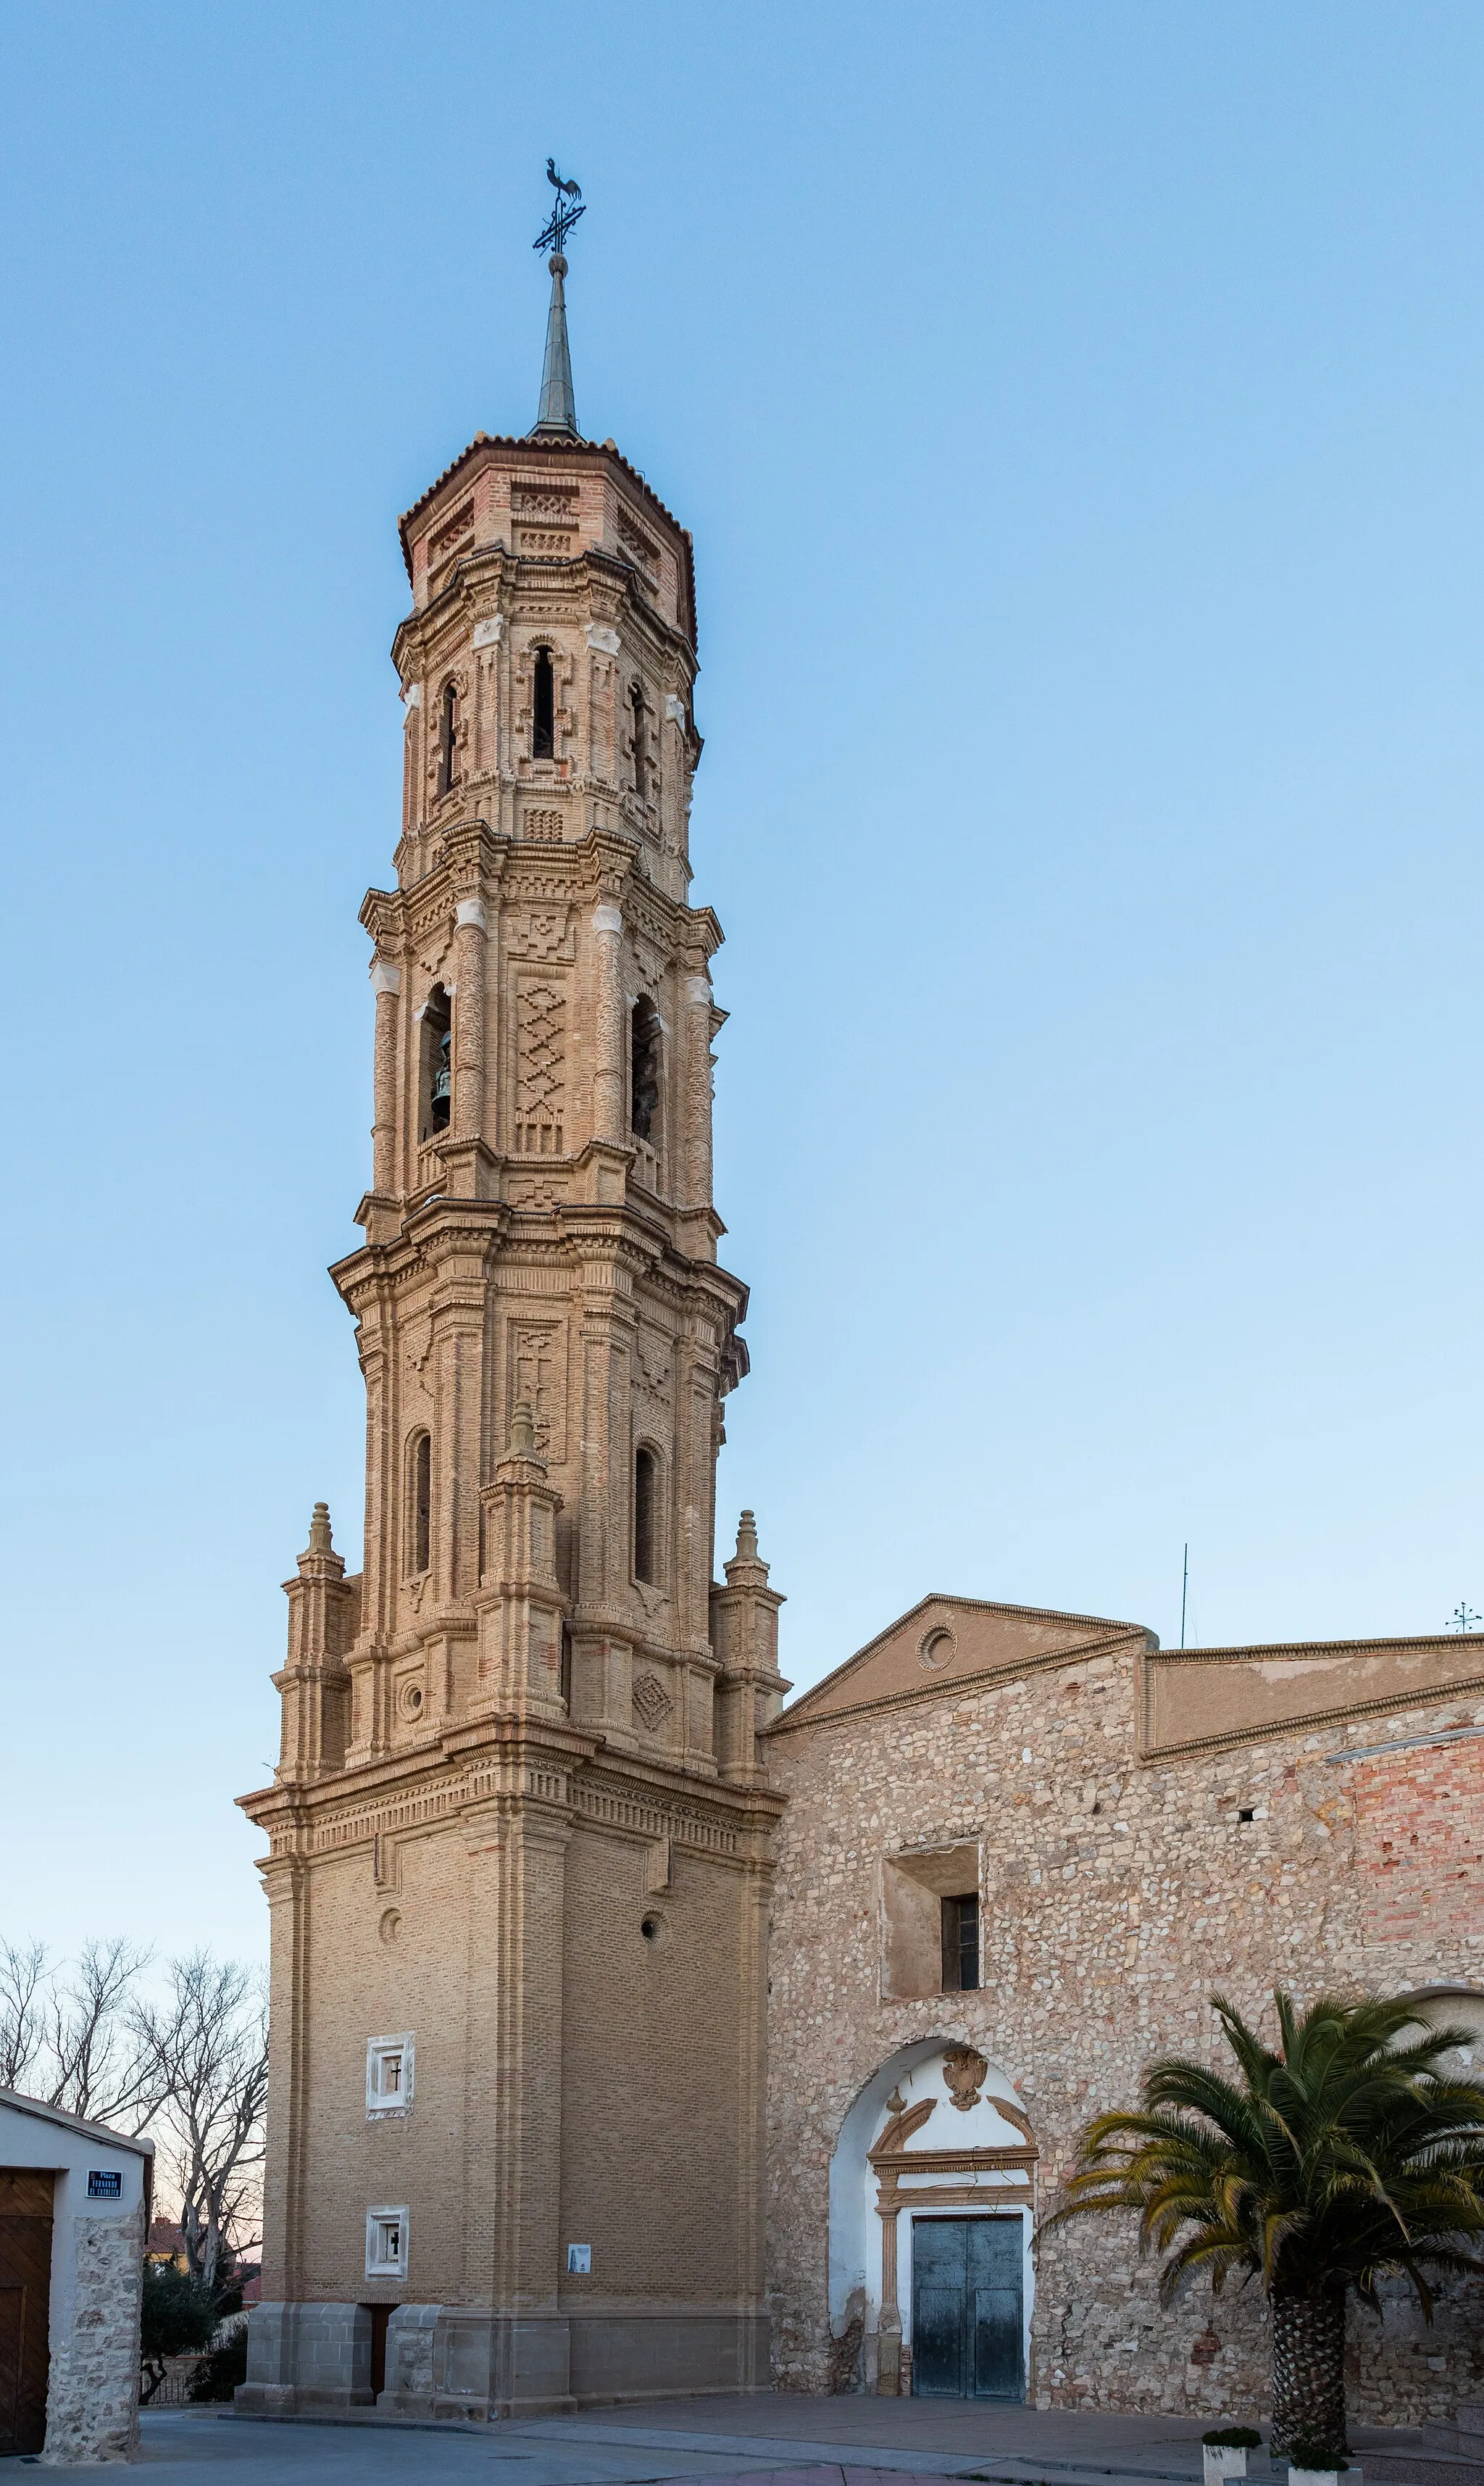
x=1419, y=1841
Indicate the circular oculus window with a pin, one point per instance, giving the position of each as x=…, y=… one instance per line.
x=936, y=1649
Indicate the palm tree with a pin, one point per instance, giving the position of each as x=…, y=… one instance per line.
x=1351, y=2155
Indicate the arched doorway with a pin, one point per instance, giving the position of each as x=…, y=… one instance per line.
x=1454, y=2006
x=932, y=2202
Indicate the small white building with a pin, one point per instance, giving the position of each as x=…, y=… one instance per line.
x=75, y=2213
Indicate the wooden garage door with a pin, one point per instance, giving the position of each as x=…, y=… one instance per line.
x=25, y=2289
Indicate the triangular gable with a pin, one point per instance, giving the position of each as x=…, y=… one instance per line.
x=944, y=1640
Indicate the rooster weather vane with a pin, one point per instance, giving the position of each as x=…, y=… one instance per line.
x=563, y=215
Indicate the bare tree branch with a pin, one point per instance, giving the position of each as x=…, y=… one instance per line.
x=208, y=2052
x=98, y=2068
x=22, y=2009
x=193, y=2066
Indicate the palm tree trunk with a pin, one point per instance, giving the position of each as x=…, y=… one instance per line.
x=1309, y=2372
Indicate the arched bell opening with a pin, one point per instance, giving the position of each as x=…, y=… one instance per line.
x=543, y=706
x=645, y=1037
x=448, y=738
x=436, y=1064
x=646, y=1514
x=932, y=2208
x=416, y=1531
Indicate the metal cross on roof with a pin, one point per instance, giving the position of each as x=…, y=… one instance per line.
x=563, y=215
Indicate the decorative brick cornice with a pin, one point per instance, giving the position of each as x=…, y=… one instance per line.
x=419, y=1793
x=592, y=453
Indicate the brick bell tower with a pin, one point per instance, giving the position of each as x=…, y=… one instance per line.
x=520, y=1829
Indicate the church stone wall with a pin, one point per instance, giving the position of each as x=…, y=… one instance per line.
x=1117, y=1893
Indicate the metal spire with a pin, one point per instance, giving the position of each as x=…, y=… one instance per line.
x=557, y=414
x=557, y=409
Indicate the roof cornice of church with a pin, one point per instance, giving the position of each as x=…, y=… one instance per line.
x=1272, y=1652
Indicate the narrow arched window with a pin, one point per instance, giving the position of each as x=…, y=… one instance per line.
x=544, y=707
x=437, y=1063
x=448, y=738
x=645, y=1515
x=637, y=707
x=644, y=1072
x=419, y=1500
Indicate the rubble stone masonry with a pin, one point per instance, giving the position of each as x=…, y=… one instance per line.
x=1125, y=1875
x=92, y=2402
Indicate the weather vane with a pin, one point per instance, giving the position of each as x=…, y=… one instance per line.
x=563, y=215
x=1463, y=1617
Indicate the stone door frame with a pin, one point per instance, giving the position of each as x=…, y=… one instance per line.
x=957, y=2185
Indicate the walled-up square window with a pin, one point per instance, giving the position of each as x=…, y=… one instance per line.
x=931, y=1919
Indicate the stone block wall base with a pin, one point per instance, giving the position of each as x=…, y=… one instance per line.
x=288, y=2399
x=304, y=2358
x=462, y=2408
x=639, y=2355
x=468, y=2363
x=446, y=2408
x=265, y=2399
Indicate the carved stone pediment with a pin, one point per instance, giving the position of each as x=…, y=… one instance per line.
x=905, y=2121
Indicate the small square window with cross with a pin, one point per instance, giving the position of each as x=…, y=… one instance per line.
x=386, y=2243
x=389, y=2064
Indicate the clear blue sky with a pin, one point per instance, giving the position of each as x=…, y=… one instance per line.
x=1078, y=408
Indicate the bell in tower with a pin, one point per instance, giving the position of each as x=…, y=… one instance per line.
x=520, y=1831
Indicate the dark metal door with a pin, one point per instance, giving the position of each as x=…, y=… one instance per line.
x=967, y=2309
x=25, y=2287
x=382, y=2315
x=996, y=2271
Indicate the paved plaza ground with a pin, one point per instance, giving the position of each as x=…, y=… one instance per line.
x=767, y=2438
